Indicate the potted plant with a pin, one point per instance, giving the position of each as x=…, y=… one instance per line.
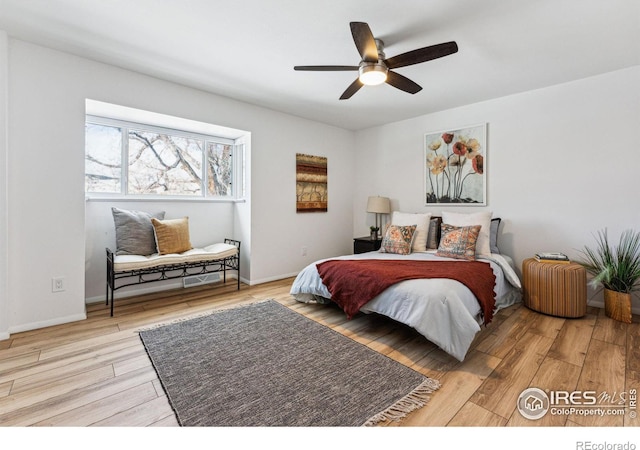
x=374, y=232
x=616, y=269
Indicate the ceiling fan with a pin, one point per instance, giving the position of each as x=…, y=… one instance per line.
x=375, y=68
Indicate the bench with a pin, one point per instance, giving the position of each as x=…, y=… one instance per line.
x=129, y=270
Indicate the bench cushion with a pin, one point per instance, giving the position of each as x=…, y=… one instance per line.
x=123, y=263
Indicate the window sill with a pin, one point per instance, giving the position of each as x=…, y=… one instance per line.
x=101, y=198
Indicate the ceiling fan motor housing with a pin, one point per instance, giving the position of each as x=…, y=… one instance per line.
x=374, y=73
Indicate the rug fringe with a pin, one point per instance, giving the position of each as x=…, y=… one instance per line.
x=414, y=400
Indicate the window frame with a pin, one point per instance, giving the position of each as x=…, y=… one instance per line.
x=237, y=163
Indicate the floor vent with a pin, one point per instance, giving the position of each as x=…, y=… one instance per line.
x=197, y=280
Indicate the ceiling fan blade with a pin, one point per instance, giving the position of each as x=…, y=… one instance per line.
x=325, y=68
x=403, y=83
x=421, y=55
x=352, y=89
x=365, y=42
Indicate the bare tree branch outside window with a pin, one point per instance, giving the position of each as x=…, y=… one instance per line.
x=219, y=169
x=103, y=158
x=157, y=163
x=164, y=165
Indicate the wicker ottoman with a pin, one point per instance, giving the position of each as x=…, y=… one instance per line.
x=555, y=289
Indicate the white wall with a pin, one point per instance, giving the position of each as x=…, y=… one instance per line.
x=4, y=75
x=279, y=233
x=46, y=211
x=562, y=163
x=46, y=208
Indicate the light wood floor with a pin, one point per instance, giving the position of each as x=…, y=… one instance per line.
x=96, y=372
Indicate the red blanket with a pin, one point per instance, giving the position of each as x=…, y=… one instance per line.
x=352, y=283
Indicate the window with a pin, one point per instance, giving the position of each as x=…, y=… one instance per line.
x=135, y=159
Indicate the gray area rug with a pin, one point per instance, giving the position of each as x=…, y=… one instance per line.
x=266, y=365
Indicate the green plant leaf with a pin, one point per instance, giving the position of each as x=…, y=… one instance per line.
x=616, y=267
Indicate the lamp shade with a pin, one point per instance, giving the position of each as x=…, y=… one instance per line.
x=380, y=205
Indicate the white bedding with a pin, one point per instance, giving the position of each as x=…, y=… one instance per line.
x=445, y=311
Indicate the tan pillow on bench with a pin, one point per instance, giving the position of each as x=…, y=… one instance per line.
x=172, y=235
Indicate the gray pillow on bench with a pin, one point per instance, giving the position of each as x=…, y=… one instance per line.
x=134, y=232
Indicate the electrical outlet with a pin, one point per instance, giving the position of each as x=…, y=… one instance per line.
x=303, y=251
x=57, y=284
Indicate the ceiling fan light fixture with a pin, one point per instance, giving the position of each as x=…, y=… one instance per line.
x=375, y=68
x=373, y=74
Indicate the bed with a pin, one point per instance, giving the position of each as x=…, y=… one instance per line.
x=445, y=309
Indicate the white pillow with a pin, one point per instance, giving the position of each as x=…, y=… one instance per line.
x=483, y=219
x=421, y=221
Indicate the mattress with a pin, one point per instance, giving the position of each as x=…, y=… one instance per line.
x=445, y=311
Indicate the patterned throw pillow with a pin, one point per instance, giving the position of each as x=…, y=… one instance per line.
x=421, y=221
x=398, y=239
x=482, y=218
x=459, y=242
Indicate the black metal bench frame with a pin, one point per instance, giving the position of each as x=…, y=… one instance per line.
x=123, y=278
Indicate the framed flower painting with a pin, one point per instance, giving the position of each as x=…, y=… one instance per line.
x=455, y=166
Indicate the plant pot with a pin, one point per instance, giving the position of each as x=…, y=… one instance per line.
x=617, y=305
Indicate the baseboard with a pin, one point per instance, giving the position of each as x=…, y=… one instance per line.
x=48, y=323
x=178, y=285
x=274, y=278
x=151, y=290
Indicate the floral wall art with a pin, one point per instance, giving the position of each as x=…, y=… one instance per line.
x=455, y=162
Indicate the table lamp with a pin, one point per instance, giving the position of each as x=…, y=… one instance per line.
x=378, y=205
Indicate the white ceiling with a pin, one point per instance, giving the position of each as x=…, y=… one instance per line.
x=246, y=49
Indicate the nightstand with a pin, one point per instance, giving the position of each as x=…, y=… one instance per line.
x=366, y=244
x=555, y=288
